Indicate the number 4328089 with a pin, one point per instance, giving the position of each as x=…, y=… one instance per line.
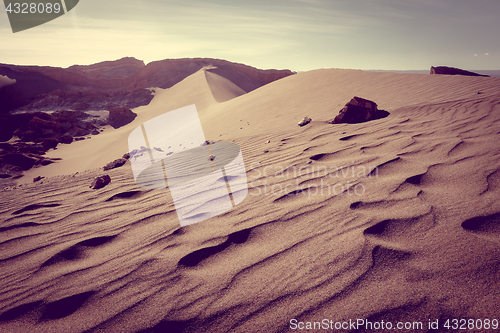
x=33, y=8
x=471, y=324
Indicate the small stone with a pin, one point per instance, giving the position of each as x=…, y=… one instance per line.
x=268, y=141
x=100, y=182
x=304, y=121
x=36, y=179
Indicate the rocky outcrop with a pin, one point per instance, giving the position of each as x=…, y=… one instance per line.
x=453, y=71
x=359, y=110
x=20, y=160
x=88, y=100
x=17, y=156
x=38, y=126
x=115, y=164
x=120, y=117
x=100, y=182
x=122, y=82
x=10, y=123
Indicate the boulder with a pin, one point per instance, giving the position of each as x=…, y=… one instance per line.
x=304, y=121
x=66, y=139
x=120, y=117
x=100, y=182
x=49, y=143
x=359, y=110
x=115, y=164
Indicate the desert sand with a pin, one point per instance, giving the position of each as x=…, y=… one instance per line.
x=394, y=220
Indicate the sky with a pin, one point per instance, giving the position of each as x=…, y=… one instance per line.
x=299, y=35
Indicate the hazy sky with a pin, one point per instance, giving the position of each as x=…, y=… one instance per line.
x=294, y=34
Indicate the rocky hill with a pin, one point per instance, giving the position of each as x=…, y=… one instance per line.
x=113, y=81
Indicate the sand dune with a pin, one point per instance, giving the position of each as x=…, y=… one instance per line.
x=395, y=219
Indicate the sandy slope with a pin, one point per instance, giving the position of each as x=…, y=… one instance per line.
x=396, y=219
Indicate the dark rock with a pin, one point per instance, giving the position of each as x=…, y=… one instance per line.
x=37, y=128
x=20, y=160
x=359, y=110
x=27, y=148
x=100, y=182
x=49, y=143
x=7, y=147
x=36, y=179
x=453, y=71
x=95, y=132
x=43, y=125
x=66, y=139
x=79, y=139
x=120, y=117
x=77, y=131
x=45, y=162
x=115, y=164
x=126, y=156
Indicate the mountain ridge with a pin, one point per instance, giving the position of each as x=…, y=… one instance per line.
x=126, y=74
